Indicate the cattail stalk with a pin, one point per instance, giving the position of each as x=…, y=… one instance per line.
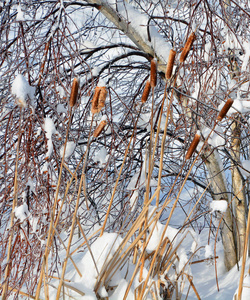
x=74, y=92
x=170, y=64
x=153, y=72
x=187, y=47
x=225, y=109
x=193, y=146
x=102, y=97
x=99, y=128
x=146, y=92
x=94, y=107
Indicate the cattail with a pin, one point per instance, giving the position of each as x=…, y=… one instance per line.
x=225, y=109
x=193, y=145
x=94, y=107
x=74, y=92
x=153, y=72
x=187, y=47
x=102, y=97
x=99, y=128
x=146, y=92
x=170, y=64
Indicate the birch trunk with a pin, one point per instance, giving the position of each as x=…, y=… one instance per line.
x=238, y=190
x=218, y=185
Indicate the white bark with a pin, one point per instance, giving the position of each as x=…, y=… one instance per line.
x=239, y=191
x=219, y=187
x=134, y=25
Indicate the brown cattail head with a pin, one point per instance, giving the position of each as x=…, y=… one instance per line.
x=74, y=92
x=225, y=109
x=146, y=92
x=170, y=64
x=99, y=128
x=94, y=107
x=193, y=145
x=187, y=47
x=102, y=97
x=153, y=72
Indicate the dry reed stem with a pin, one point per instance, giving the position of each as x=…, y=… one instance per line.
x=167, y=223
x=193, y=146
x=170, y=64
x=70, y=257
x=44, y=60
x=116, y=183
x=73, y=288
x=240, y=288
x=150, y=166
x=146, y=92
x=164, y=136
x=102, y=97
x=192, y=285
x=46, y=288
x=153, y=73
x=119, y=257
x=74, y=92
x=70, y=240
x=204, y=191
x=28, y=296
x=51, y=225
x=95, y=99
x=14, y=203
x=99, y=128
x=80, y=246
x=87, y=243
x=74, y=216
x=225, y=109
x=187, y=47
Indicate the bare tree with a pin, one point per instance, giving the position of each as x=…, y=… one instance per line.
x=111, y=44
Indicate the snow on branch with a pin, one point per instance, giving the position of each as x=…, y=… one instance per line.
x=135, y=24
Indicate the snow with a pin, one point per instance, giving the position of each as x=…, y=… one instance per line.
x=20, y=14
x=102, y=249
x=31, y=184
x=70, y=148
x=133, y=199
x=139, y=22
x=22, y=90
x=246, y=288
x=50, y=129
x=216, y=138
x=61, y=91
x=95, y=72
x=61, y=109
x=101, y=156
x=101, y=81
x=219, y=205
x=157, y=233
x=120, y=291
x=86, y=46
x=245, y=59
x=22, y=212
x=208, y=251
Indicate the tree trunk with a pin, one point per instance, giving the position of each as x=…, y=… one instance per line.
x=239, y=191
x=218, y=185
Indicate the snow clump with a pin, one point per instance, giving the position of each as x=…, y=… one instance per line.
x=22, y=90
x=70, y=147
x=219, y=205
